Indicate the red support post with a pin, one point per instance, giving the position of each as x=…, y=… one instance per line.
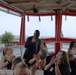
x=22, y=30
x=58, y=32
x=57, y=47
x=69, y=13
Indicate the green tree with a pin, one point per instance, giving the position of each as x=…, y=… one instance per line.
x=7, y=37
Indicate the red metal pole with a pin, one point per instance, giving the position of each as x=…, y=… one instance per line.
x=58, y=32
x=22, y=30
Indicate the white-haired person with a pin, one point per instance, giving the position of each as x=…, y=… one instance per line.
x=22, y=69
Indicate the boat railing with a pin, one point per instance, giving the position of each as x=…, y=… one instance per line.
x=17, y=49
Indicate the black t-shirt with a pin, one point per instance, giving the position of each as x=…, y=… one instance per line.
x=9, y=65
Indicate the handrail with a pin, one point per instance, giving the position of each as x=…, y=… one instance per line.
x=13, y=46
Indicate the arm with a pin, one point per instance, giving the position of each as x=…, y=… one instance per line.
x=33, y=73
x=68, y=50
x=42, y=64
x=32, y=61
x=50, y=64
x=34, y=70
x=57, y=71
x=4, y=64
x=29, y=42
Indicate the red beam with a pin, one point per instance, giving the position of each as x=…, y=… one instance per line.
x=61, y=39
x=50, y=39
x=40, y=14
x=69, y=13
x=66, y=39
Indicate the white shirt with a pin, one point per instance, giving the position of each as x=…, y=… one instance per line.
x=73, y=52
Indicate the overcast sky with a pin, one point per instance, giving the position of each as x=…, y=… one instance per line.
x=9, y=23
x=12, y=24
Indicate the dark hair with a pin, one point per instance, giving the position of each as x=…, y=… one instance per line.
x=43, y=53
x=44, y=42
x=71, y=44
x=16, y=61
x=38, y=32
x=64, y=58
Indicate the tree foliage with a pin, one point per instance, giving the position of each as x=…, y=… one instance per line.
x=7, y=37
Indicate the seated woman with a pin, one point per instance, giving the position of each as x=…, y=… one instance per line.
x=43, y=45
x=40, y=58
x=72, y=56
x=7, y=58
x=72, y=50
x=58, y=65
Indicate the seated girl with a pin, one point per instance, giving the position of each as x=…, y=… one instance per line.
x=72, y=50
x=7, y=58
x=39, y=60
x=58, y=65
x=43, y=45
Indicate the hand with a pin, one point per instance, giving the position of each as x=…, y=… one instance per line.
x=13, y=57
x=33, y=39
x=59, y=55
x=9, y=59
x=52, y=60
x=37, y=57
x=42, y=46
x=33, y=69
x=56, y=61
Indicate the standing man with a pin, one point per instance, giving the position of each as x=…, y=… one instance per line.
x=32, y=46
